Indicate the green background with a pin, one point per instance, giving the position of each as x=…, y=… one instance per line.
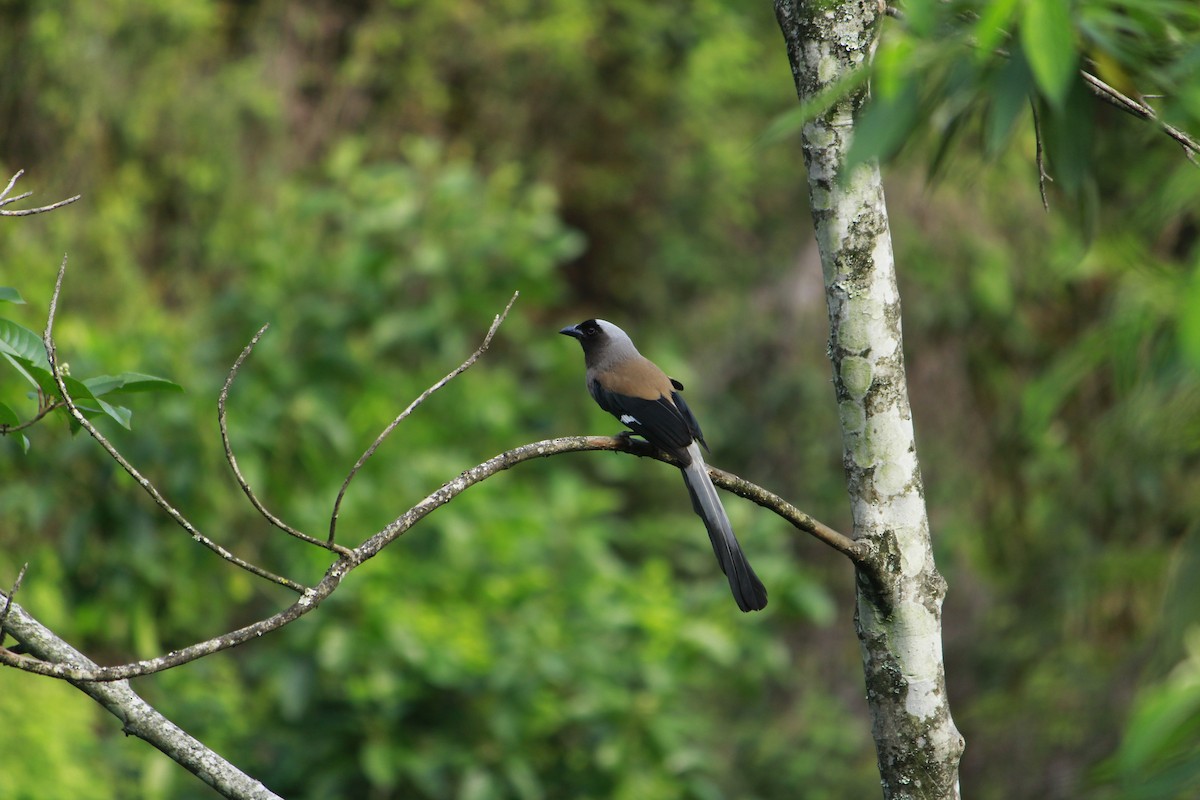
x=375, y=179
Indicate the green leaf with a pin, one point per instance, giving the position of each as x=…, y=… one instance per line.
x=37, y=376
x=41, y=378
x=121, y=414
x=1067, y=135
x=1048, y=42
x=1011, y=87
x=789, y=123
x=884, y=126
x=82, y=395
x=10, y=295
x=129, y=382
x=991, y=29
x=10, y=418
x=85, y=401
x=18, y=340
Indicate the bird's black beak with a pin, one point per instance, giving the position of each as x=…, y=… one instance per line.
x=571, y=330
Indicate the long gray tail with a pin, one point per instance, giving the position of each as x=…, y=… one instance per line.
x=748, y=590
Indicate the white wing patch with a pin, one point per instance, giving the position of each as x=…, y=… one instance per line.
x=629, y=419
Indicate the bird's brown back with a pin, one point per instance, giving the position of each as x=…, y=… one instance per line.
x=639, y=377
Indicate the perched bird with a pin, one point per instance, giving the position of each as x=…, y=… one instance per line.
x=634, y=390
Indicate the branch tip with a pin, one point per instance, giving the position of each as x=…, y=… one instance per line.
x=222, y=421
x=454, y=373
x=12, y=592
x=25, y=212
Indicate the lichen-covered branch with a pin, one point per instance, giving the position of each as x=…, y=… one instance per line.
x=138, y=718
x=342, y=567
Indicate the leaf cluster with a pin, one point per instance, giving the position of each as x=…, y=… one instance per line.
x=984, y=70
x=25, y=353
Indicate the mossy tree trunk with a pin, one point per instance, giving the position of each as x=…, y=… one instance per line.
x=899, y=590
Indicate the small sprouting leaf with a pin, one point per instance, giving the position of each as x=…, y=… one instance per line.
x=10, y=295
x=1048, y=43
x=18, y=340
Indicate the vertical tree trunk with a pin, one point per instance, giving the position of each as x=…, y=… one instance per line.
x=899, y=598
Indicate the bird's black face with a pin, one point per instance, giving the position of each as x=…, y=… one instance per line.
x=589, y=333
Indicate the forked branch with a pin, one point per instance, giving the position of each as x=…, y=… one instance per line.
x=1142, y=110
x=237, y=472
x=454, y=373
x=25, y=212
x=144, y=482
x=856, y=551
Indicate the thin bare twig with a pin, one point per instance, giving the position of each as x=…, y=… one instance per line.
x=859, y=552
x=43, y=411
x=52, y=355
x=1191, y=147
x=11, y=183
x=1043, y=176
x=237, y=473
x=25, y=212
x=8, y=601
x=461, y=368
x=856, y=550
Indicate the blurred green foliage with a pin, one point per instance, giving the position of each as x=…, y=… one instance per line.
x=976, y=69
x=1159, y=756
x=376, y=179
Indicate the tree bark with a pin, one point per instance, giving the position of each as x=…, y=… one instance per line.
x=138, y=718
x=899, y=590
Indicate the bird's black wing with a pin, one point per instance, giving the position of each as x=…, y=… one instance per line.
x=664, y=422
x=688, y=416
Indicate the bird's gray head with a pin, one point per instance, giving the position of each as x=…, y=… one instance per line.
x=603, y=343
